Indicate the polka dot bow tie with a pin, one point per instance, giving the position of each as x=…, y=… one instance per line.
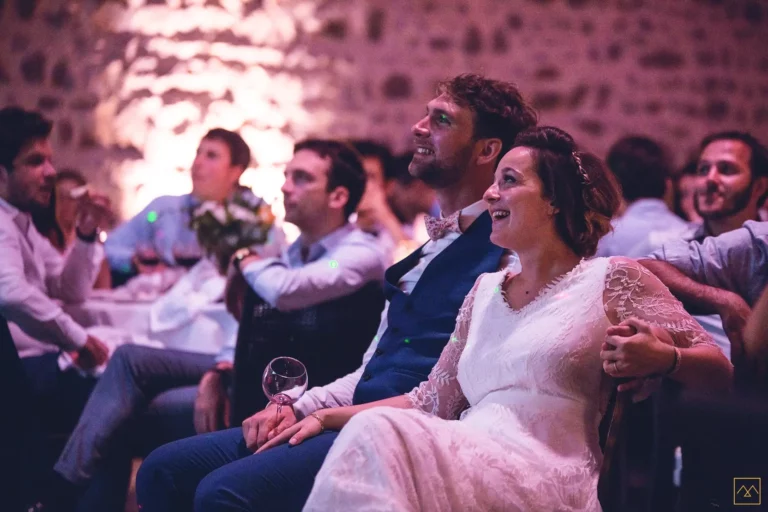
x=438, y=228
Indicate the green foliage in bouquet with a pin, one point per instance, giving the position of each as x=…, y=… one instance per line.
x=223, y=228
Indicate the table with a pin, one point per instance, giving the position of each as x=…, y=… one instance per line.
x=207, y=333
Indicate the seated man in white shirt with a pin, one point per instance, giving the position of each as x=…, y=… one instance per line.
x=642, y=169
x=33, y=273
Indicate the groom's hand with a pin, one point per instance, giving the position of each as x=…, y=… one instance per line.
x=266, y=424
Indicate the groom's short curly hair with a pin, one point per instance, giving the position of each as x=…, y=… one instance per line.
x=498, y=108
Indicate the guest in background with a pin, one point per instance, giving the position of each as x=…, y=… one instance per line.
x=185, y=393
x=685, y=190
x=374, y=214
x=323, y=185
x=33, y=274
x=641, y=167
x=732, y=182
x=57, y=223
x=723, y=275
x=221, y=159
x=410, y=199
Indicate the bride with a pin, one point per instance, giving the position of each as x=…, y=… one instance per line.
x=508, y=419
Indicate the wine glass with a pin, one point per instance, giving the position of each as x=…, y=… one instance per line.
x=187, y=253
x=147, y=256
x=284, y=381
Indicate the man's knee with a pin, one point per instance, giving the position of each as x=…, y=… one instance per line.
x=215, y=494
x=131, y=359
x=155, y=471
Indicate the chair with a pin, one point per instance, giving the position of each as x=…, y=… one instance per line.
x=722, y=437
x=15, y=398
x=329, y=338
x=611, y=486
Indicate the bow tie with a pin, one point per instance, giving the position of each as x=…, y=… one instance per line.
x=438, y=228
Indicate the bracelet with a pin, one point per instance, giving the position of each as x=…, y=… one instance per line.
x=319, y=420
x=676, y=364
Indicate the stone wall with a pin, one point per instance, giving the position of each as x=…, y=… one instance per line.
x=132, y=85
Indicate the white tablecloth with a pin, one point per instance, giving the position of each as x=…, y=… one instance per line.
x=207, y=333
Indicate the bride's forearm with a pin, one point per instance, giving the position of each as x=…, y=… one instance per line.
x=335, y=418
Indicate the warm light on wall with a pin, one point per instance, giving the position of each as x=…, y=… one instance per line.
x=242, y=73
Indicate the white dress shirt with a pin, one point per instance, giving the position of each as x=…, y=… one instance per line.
x=32, y=274
x=646, y=225
x=339, y=264
x=339, y=393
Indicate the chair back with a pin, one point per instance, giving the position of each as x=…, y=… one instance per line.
x=329, y=338
x=15, y=399
x=610, y=490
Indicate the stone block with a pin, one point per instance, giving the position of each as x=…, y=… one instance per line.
x=64, y=132
x=4, y=78
x=716, y=110
x=61, y=76
x=578, y=96
x=546, y=100
x=19, y=42
x=397, y=86
x=500, y=44
x=32, y=68
x=48, y=103
x=514, y=21
x=592, y=127
x=335, y=29
x=665, y=59
x=58, y=17
x=25, y=9
x=375, y=24
x=473, y=41
x=440, y=44
x=547, y=74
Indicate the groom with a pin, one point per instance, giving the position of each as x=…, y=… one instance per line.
x=468, y=126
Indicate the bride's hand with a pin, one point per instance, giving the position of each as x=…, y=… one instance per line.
x=306, y=428
x=635, y=348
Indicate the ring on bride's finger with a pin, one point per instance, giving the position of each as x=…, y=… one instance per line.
x=615, y=368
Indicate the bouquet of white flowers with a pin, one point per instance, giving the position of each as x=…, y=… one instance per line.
x=244, y=220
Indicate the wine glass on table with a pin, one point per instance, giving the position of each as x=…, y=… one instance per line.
x=146, y=258
x=187, y=253
x=284, y=381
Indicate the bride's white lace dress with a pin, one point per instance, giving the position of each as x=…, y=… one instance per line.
x=532, y=390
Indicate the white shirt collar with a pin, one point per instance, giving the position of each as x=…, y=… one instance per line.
x=8, y=208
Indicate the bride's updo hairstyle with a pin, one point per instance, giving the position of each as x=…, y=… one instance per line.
x=578, y=184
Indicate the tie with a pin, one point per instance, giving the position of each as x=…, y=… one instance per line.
x=438, y=228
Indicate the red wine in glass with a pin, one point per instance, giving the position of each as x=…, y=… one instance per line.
x=284, y=381
x=147, y=256
x=187, y=261
x=187, y=254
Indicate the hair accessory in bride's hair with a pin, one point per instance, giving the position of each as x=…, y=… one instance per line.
x=582, y=172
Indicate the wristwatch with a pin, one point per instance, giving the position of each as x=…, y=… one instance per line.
x=240, y=255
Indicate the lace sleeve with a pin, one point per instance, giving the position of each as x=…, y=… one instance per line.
x=441, y=394
x=631, y=290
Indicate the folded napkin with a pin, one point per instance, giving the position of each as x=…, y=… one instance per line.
x=201, y=286
x=112, y=338
x=142, y=288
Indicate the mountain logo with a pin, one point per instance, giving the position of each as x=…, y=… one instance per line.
x=747, y=491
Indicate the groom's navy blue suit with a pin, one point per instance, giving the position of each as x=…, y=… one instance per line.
x=227, y=476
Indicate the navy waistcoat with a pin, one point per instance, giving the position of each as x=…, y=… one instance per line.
x=420, y=324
